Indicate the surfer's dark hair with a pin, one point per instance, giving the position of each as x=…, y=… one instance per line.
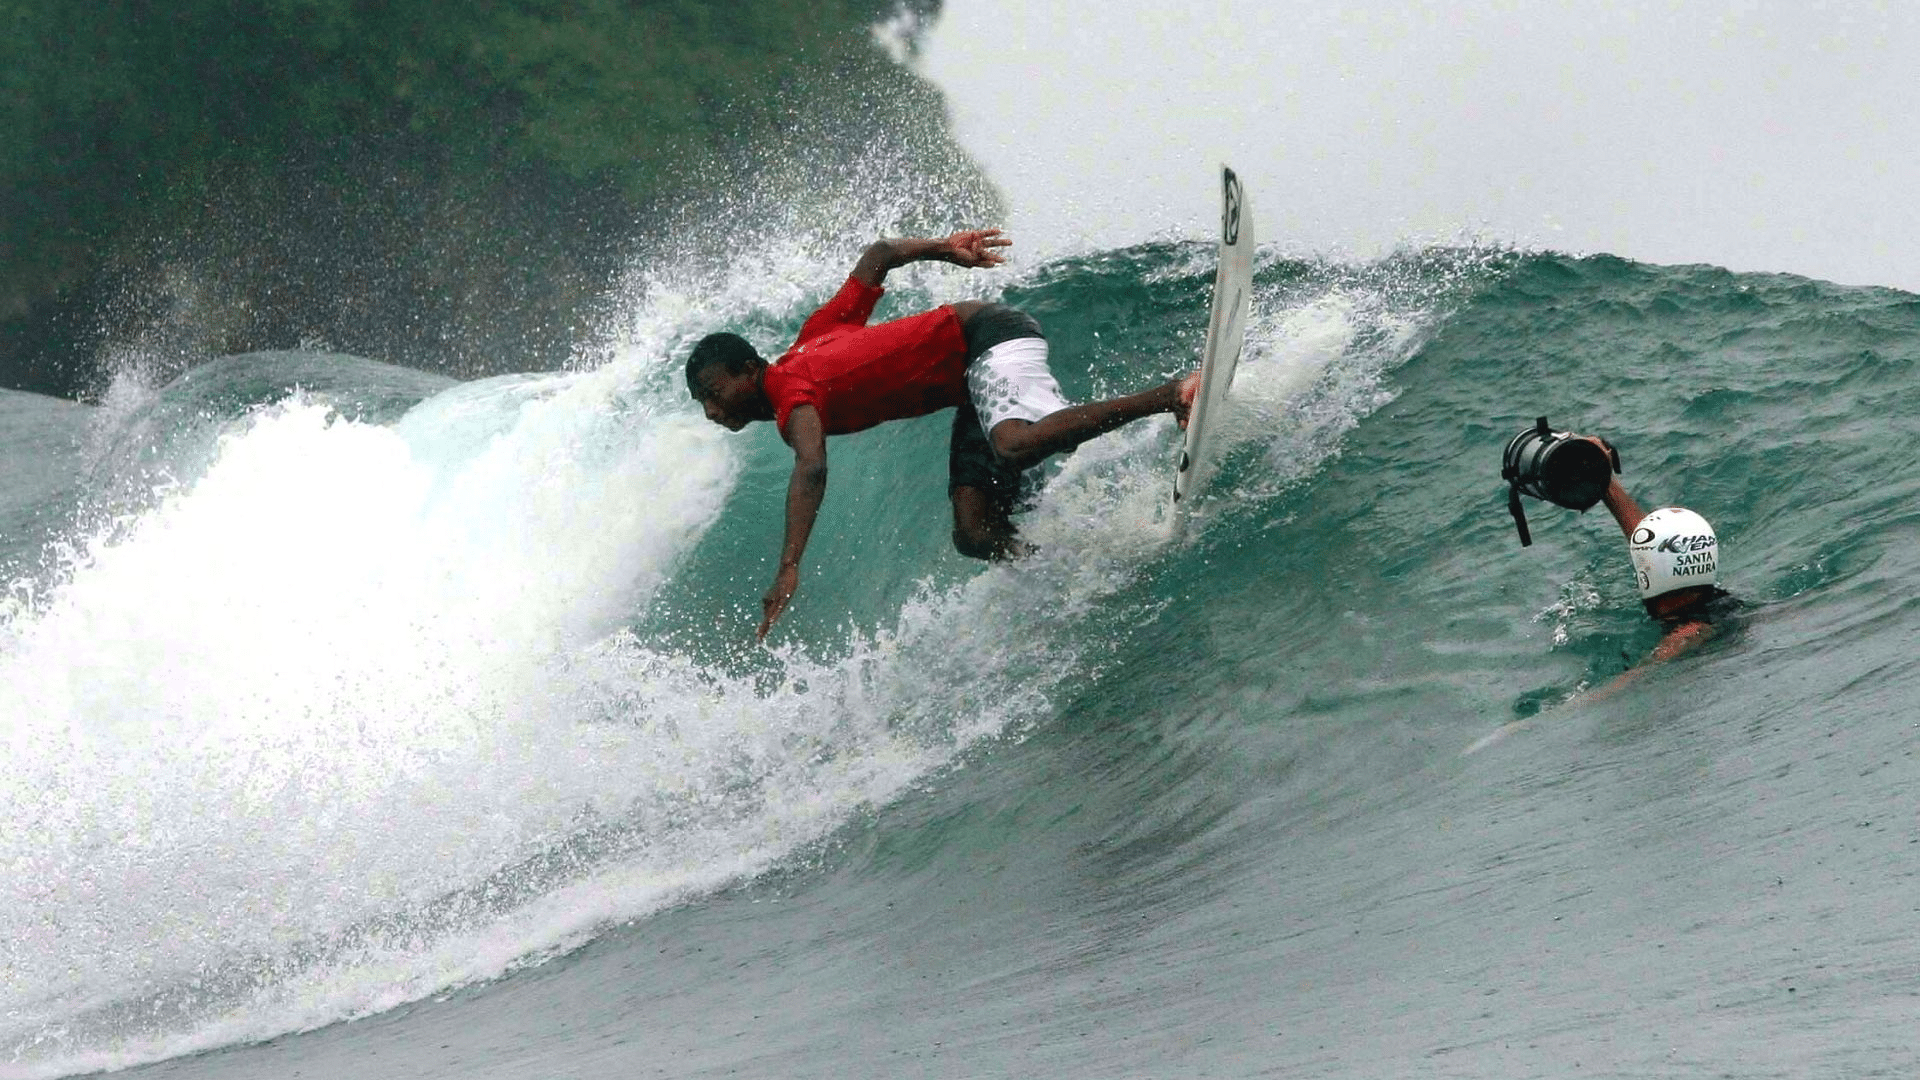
x=729, y=352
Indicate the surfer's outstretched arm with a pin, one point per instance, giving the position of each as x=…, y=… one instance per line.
x=805, y=489
x=973, y=248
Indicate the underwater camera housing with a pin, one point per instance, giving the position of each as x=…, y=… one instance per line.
x=1555, y=466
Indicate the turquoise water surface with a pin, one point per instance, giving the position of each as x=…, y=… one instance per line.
x=359, y=723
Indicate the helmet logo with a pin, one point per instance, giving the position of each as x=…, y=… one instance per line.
x=1678, y=544
x=1642, y=535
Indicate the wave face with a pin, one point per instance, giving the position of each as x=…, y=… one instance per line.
x=336, y=692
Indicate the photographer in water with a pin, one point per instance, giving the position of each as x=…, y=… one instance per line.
x=1674, y=551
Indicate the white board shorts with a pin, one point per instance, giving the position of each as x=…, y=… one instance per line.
x=1011, y=381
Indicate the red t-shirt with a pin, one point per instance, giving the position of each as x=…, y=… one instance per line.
x=856, y=376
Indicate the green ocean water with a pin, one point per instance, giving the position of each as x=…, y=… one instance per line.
x=394, y=728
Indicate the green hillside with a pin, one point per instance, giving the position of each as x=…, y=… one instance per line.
x=430, y=183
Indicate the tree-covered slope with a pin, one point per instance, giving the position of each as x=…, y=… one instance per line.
x=440, y=184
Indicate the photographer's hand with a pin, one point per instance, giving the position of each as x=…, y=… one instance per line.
x=1619, y=503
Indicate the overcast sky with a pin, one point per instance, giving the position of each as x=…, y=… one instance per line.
x=1765, y=135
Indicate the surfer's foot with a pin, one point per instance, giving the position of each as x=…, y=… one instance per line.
x=1183, y=396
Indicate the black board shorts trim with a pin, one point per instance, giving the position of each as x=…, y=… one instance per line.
x=971, y=461
x=996, y=324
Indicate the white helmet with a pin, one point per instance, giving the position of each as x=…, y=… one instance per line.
x=1673, y=548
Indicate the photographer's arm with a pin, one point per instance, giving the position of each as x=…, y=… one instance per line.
x=1678, y=641
x=1625, y=510
x=1619, y=503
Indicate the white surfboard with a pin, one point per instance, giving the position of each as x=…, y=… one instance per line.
x=1226, y=334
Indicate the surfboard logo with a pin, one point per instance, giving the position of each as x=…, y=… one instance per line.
x=1229, y=208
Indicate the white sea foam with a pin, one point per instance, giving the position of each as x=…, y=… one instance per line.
x=347, y=719
x=314, y=686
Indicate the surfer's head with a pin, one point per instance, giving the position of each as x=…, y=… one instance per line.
x=723, y=375
x=1676, y=559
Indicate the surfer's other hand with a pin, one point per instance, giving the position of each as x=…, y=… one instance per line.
x=974, y=248
x=785, y=583
x=1183, y=394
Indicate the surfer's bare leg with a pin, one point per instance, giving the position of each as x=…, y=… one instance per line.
x=1026, y=443
x=982, y=526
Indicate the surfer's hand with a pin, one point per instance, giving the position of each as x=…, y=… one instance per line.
x=785, y=583
x=1184, y=392
x=974, y=248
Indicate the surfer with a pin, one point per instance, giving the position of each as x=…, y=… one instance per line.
x=986, y=361
x=1676, y=566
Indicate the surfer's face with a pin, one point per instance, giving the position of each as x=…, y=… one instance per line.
x=729, y=400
